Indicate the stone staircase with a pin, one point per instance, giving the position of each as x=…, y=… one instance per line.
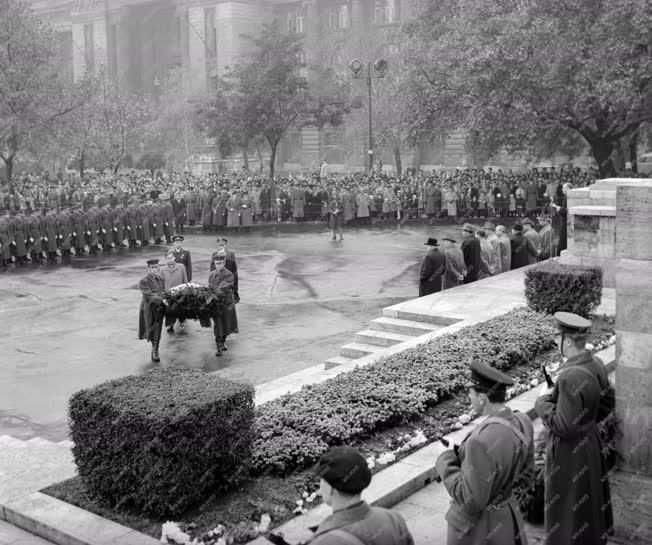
x=388, y=331
x=28, y=466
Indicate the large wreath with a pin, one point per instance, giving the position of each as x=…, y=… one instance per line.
x=196, y=302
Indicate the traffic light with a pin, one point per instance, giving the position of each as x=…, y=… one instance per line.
x=356, y=67
x=381, y=66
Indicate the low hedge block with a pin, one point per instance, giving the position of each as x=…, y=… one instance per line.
x=553, y=287
x=162, y=441
x=294, y=430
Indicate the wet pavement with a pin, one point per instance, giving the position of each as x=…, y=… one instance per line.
x=71, y=326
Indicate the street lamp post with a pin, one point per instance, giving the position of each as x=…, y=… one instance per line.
x=376, y=70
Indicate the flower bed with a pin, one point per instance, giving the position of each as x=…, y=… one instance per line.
x=518, y=342
x=195, y=302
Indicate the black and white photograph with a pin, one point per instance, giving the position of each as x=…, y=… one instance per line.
x=325, y=272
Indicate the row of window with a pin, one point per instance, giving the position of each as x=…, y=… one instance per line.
x=339, y=17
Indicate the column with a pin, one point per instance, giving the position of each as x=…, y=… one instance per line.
x=632, y=483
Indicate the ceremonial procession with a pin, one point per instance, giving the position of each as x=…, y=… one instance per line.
x=325, y=272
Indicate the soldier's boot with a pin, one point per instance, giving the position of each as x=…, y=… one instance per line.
x=155, y=357
x=224, y=344
x=219, y=346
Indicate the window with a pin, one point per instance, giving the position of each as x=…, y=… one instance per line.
x=385, y=12
x=338, y=17
x=295, y=20
x=89, y=48
x=210, y=33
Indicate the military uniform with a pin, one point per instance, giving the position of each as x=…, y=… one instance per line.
x=152, y=309
x=231, y=266
x=183, y=256
x=222, y=281
x=577, y=495
x=481, y=473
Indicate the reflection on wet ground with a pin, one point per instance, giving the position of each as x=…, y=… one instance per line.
x=72, y=325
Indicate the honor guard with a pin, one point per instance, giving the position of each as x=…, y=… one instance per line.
x=481, y=473
x=230, y=264
x=182, y=256
x=152, y=307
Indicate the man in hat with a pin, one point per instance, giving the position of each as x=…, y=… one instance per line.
x=522, y=249
x=481, y=473
x=471, y=251
x=152, y=307
x=182, y=256
x=173, y=275
x=490, y=229
x=531, y=234
x=344, y=474
x=505, y=248
x=231, y=265
x=577, y=495
x=455, y=266
x=545, y=238
x=222, y=281
x=432, y=269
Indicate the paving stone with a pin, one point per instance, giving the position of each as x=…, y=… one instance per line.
x=12, y=535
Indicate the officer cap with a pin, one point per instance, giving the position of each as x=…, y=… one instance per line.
x=153, y=261
x=485, y=378
x=567, y=322
x=178, y=237
x=221, y=239
x=220, y=256
x=345, y=469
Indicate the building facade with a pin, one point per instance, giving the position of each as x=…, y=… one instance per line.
x=136, y=43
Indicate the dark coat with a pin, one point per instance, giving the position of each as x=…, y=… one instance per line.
x=577, y=495
x=522, y=250
x=152, y=310
x=432, y=270
x=455, y=267
x=480, y=479
x=183, y=257
x=471, y=251
x=222, y=281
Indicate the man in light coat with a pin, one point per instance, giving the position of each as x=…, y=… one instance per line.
x=174, y=274
x=530, y=233
x=545, y=239
x=455, y=267
x=505, y=248
x=495, y=245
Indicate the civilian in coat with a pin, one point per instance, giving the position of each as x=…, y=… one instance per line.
x=431, y=192
x=546, y=250
x=522, y=249
x=455, y=267
x=487, y=256
x=152, y=307
x=561, y=208
x=432, y=269
x=221, y=280
x=530, y=233
x=495, y=245
x=505, y=249
x=471, y=251
x=481, y=473
x=298, y=199
x=577, y=495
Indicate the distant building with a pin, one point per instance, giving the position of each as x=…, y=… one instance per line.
x=137, y=42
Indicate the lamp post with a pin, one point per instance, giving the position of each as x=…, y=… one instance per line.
x=376, y=70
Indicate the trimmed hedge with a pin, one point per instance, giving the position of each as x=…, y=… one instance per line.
x=162, y=441
x=294, y=430
x=553, y=287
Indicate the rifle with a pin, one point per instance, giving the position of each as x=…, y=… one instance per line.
x=447, y=444
x=549, y=381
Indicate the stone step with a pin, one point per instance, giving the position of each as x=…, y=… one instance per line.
x=28, y=466
x=442, y=321
x=381, y=338
x=337, y=360
x=359, y=350
x=406, y=327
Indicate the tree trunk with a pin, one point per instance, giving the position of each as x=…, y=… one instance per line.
x=260, y=158
x=272, y=159
x=82, y=163
x=245, y=158
x=604, y=153
x=633, y=151
x=396, y=148
x=9, y=167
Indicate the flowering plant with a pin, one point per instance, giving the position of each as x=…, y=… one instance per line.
x=196, y=302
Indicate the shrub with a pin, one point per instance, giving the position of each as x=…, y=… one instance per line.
x=553, y=287
x=294, y=430
x=164, y=440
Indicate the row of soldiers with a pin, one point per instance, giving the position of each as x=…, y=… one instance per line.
x=71, y=231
